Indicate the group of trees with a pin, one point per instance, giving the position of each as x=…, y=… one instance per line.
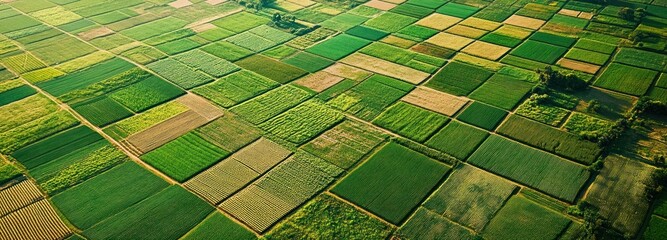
x=635, y=15
x=550, y=78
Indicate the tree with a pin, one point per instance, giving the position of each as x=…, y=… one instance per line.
x=555, y=79
x=627, y=13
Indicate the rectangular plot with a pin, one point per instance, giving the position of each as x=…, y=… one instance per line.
x=546, y=172
x=435, y=100
x=236, y=88
x=86, y=77
x=410, y=121
x=386, y=68
x=154, y=28
x=56, y=146
x=626, y=79
x=270, y=104
x=369, y=98
x=272, y=69
x=166, y=131
x=300, y=124
x=550, y=139
x=179, y=73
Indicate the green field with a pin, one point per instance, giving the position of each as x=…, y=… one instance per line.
x=411, y=121
x=375, y=184
x=541, y=170
x=346, y=119
x=185, y=156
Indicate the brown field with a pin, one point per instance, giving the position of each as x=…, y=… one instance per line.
x=526, y=22
x=163, y=132
x=95, y=33
x=386, y=68
x=203, y=27
x=37, y=221
x=435, y=100
x=481, y=23
x=450, y=41
x=466, y=31
x=438, y=21
x=586, y=15
x=348, y=71
x=319, y=81
x=303, y=3
x=621, y=177
x=18, y=196
x=486, y=50
x=215, y=2
x=384, y=6
x=579, y=66
x=568, y=12
x=200, y=106
x=180, y=3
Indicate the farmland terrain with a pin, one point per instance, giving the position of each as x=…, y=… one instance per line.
x=323, y=119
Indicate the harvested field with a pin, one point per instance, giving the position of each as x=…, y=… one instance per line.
x=450, y=41
x=438, y=21
x=384, y=6
x=486, y=50
x=435, y=100
x=200, y=106
x=526, y=22
x=95, y=33
x=319, y=81
x=166, y=131
x=180, y=3
x=348, y=72
x=579, y=66
x=37, y=221
x=18, y=196
x=386, y=68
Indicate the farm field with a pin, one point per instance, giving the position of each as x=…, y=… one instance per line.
x=319, y=119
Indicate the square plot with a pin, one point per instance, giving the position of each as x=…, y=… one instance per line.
x=521, y=218
x=450, y=41
x=486, y=50
x=387, y=184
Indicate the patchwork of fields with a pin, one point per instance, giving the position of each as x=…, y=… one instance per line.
x=318, y=119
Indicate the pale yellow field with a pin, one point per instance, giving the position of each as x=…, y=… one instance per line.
x=319, y=81
x=438, y=21
x=579, y=66
x=450, y=41
x=436, y=101
x=481, y=23
x=486, y=50
x=466, y=31
x=386, y=68
x=526, y=22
